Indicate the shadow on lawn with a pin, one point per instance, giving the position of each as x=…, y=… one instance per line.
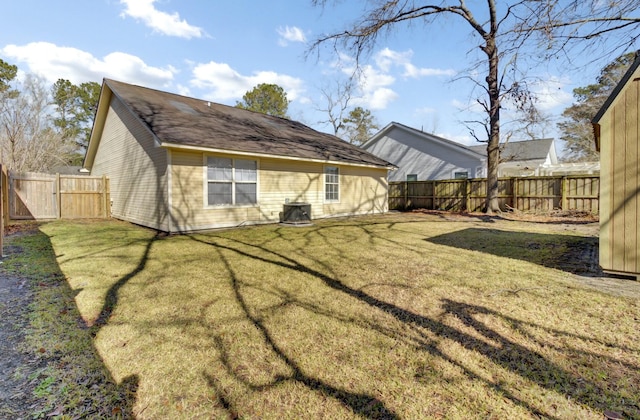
x=574, y=254
x=499, y=349
x=85, y=386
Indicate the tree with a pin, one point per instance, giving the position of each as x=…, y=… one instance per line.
x=359, y=125
x=76, y=106
x=266, y=98
x=382, y=16
x=503, y=31
x=576, y=129
x=8, y=73
x=28, y=141
x=336, y=102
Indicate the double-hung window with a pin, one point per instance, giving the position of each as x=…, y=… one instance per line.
x=331, y=183
x=231, y=181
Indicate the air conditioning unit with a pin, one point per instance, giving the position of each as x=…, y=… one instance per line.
x=296, y=213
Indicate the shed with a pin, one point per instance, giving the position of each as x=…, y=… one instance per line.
x=617, y=137
x=180, y=164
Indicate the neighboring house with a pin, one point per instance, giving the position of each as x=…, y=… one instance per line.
x=181, y=164
x=618, y=140
x=524, y=158
x=422, y=156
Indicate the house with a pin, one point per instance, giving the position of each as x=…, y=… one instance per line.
x=422, y=156
x=617, y=138
x=525, y=158
x=180, y=164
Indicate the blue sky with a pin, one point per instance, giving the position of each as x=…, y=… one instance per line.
x=218, y=50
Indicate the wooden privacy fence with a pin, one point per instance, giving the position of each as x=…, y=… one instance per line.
x=45, y=196
x=535, y=194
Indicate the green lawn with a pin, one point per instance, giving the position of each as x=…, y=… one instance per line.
x=396, y=316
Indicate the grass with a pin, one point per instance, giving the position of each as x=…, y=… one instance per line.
x=397, y=316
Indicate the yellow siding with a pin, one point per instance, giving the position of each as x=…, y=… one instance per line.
x=363, y=190
x=136, y=168
x=620, y=182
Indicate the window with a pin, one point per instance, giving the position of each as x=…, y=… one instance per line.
x=461, y=175
x=231, y=181
x=331, y=183
x=412, y=177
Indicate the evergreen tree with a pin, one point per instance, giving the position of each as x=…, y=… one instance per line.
x=576, y=129
x=267, y=99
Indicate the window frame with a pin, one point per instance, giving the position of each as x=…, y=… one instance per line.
x=233, y=181
x=461, y=174
x=326, y=184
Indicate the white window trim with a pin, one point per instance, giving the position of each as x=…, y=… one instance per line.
x=324, y=184
x=205, y=189
x=467, y=171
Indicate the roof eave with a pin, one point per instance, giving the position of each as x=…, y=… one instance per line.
x=168, y=145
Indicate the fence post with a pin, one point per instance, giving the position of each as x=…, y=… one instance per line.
x=105, y=197
x=58, y=198
x=563, y=186
x=467, y=193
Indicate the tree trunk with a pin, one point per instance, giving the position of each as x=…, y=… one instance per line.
x=493, y=147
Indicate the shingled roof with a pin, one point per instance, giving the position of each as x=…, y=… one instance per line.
x=180, y=121
x=521, y=150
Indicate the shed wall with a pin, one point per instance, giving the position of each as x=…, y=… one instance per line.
x=136, y=167
x=620, y=182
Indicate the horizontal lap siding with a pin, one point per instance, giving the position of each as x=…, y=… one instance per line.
x=363, y=190
x=136, y=168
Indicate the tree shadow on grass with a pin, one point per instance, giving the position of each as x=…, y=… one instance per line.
x=360, y=404
x=570, y=253
x=499, y=349
x=83, y=386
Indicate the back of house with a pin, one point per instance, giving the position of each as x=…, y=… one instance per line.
x=181, y=164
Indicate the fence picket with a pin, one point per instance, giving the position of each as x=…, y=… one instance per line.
x=569, y=193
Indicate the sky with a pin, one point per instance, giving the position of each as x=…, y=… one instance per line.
x=219, y=50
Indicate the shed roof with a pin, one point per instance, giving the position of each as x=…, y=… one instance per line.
x=180, y=121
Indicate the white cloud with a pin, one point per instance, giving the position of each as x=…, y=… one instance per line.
x=290, y=34
x=550, y=94
x=374, y=88
x=386, y=59
x=162, y=22
x=53, y=62
x=225, y=83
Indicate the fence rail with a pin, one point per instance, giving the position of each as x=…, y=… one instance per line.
x=535, y=194
x=45, y=196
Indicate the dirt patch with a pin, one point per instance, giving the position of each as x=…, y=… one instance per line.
x=16, y=387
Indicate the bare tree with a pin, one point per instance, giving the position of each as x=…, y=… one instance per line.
x=28, y=141
x=361, y=37
x=335, y=103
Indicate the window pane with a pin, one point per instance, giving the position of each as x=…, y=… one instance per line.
x=331, y=192
x=412, y=177
x=246, y=170
x=219, y=193
x=246, y=194
x=219, y=169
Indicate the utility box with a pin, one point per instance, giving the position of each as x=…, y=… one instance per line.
x=296, y=213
